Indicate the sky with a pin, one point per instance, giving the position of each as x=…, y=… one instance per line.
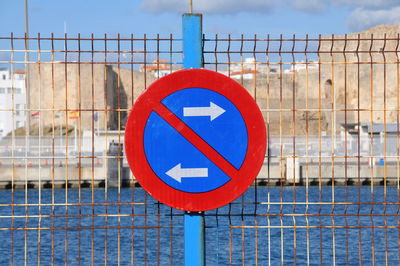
x=221, y=17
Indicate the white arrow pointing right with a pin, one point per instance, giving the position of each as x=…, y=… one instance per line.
x=177, y=172
x=213, y=111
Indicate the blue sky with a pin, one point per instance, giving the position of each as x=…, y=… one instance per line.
x=220, y=16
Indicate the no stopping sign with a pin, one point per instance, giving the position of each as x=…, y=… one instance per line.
x=195, y=140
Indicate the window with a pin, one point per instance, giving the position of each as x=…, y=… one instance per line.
x=17, y=90
x=19, y=76
x=18, y=124
x=17, y=110
x=9, y=90
x=4, y=76
x=2, y=90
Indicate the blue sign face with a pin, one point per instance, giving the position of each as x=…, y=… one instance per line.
x=175, y=160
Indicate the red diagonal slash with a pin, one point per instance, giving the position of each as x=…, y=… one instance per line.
x=196, y=140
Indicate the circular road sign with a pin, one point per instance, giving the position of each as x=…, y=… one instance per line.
x=195, y=140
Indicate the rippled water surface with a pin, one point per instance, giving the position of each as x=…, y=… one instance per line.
x=264, y=225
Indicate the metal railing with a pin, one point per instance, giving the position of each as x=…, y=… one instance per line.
x=328, y=192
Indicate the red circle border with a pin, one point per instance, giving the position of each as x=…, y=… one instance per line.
x=195, y=78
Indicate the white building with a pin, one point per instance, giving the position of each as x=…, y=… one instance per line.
x=12, y=100
x=301, y=66
x=249, y=68
x=159, y=68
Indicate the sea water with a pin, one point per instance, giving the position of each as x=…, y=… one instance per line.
x=268, y=225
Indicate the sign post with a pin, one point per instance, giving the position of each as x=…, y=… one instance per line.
x=193, y=58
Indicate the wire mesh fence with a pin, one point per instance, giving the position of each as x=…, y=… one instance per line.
x=327, y=194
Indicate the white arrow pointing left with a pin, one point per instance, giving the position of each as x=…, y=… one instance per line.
x=177, y=172
x=213, y=111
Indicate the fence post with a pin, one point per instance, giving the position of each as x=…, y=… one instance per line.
x=193, y=58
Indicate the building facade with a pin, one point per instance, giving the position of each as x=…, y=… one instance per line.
x=12, y=100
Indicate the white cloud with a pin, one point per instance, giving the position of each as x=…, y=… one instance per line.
x=364, y=13
x=311, y=6
x=208, y=6
x=236, y=6
x=161, y=6
x=366, y=3
x=362, y=18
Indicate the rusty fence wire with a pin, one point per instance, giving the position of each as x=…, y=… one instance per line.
x=328, y=192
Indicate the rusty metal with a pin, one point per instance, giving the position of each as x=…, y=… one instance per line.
x=332, y=110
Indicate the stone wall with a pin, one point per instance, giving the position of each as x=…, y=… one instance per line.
x=58, y=89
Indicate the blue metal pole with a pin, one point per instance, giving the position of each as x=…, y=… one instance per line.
x=192, y=41
x=193, y=58
x=194, y=239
